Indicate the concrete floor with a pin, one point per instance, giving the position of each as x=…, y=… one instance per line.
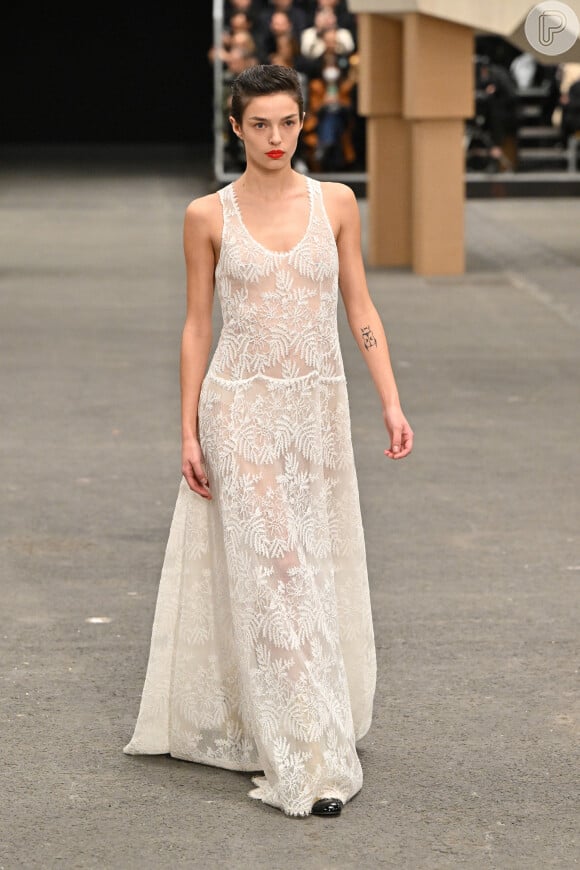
x=472, y=760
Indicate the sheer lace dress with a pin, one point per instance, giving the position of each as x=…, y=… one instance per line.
x=262, y=653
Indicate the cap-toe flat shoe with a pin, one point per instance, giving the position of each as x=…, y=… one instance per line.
x=327, y=807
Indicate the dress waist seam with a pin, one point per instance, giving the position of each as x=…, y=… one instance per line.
x=241, y=381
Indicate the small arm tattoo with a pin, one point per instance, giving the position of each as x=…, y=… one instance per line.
x=368, y=337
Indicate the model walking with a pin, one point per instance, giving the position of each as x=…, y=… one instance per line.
x=262, y=653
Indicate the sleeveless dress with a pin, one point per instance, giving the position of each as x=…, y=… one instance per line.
x=262, y=653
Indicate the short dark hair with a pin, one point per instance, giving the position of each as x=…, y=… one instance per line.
x=262, y=79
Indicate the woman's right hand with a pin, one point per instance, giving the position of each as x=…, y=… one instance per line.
x=193, y=468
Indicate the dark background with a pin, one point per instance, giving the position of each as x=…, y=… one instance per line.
x=92, y=75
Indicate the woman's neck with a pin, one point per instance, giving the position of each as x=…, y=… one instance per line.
x=268, y=185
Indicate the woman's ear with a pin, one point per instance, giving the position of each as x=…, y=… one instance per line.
x=236, y=127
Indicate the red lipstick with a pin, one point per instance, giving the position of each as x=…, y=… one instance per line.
x=275, y=155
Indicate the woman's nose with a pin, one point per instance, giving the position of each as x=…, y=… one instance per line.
x=275, y=136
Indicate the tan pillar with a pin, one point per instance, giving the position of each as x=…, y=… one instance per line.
x=438, y=198
x=416, y=87
x=388, y=141
x=437, y=96
x=389, y=195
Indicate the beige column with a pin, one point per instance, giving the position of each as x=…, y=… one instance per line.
x=437, y=96
x=416, y=87
x=438, y=196
x=388, y=140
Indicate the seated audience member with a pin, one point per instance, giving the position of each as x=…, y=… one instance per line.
x=236, y=62
x=571, y=111
x=329, y=125
x=497, y=104
x=297, y=16
x=286, y=50
x=567, y=75
x=312, y=42
x=344, y=18
x=238, y=23
x=233, y=6
x=523, y=69
x=279, y=26
x=245, y=42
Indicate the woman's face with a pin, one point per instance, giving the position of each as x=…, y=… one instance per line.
x=270, y=128
x=242, y=40
x=279, y=24
x=324, y=18
x=239, y=22
x=237, y=61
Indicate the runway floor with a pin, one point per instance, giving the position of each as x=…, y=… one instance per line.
x=473, y=552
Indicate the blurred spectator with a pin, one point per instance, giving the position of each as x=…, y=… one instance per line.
x=233, y=6
x=329, y=126
x=523, y=69
x=496, y=103
x=571, y=112
x=239, y=21
x=298, y=20
x=237, y=34
x=280, y=26
x=286, y=50
x=312, y=42
x=245, y=42
x=565, y=115
x=344, y=18
x=237, y=60
x=527, y=72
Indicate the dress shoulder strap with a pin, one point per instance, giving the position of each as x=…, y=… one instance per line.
x=314, y=185
x=318, y=206
x=316, y=195
x=225, y=195
x=228, y=204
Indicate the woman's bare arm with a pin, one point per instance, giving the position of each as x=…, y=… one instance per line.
x=199, y=249
x=364, y=320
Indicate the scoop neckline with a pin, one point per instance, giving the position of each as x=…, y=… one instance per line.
x=259, y=244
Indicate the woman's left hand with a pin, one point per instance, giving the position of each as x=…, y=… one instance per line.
x=400, y=432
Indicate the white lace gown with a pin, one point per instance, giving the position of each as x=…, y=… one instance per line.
x=262, y=653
